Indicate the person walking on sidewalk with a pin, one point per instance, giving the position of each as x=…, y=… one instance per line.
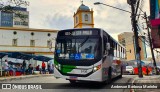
x=24, y=67
x=43, y=67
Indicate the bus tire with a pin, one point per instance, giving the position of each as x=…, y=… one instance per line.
x=109, y=77
x=72, y=81
x=121, y=72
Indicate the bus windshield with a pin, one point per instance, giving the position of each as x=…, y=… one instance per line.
x=77, y=48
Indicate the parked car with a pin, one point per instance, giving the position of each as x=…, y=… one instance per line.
x=130, y=69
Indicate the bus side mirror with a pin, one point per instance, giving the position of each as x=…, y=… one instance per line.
x=108, y=47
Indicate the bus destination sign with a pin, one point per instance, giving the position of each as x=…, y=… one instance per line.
x=74, y=33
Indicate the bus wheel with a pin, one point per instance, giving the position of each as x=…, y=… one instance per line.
x=109, y=75
x=72, y=81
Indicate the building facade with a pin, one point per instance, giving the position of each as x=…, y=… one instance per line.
x=127, y=40
x=21, y=17
x=18, y=18
x=27, y=40
x=83, y=18
x=6, y=19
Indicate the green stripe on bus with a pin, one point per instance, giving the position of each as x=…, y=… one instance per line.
x=55, y=62
x=67, y=68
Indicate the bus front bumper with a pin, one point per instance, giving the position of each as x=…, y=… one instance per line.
x=95, y=76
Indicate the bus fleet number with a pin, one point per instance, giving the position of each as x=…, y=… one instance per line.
x=83, y=71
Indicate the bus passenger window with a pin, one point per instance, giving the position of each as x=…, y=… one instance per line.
x=104, y=45
x=115, y=50
x=111, y=51
x=121, y=52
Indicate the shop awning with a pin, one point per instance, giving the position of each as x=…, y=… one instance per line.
x=19, y=55
x=3, y=54
x=42, y=58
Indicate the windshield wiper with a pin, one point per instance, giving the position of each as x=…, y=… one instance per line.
x=85, y=40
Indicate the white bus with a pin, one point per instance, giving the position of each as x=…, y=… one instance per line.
x=87, y=54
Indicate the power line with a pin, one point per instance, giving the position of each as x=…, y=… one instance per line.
x=140, y=8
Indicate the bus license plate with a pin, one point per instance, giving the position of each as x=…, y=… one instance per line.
x=73, y=77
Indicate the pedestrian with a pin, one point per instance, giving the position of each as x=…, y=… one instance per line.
x=24, y=67
x=6, y=68
x=49, y=68
x=19, y=68
x=52, y=68
x=37, y=68
x=30, y=69
x=11, y=68
x=43, y=67
x=147, y=71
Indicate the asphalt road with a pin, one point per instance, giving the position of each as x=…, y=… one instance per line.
x=61, y=85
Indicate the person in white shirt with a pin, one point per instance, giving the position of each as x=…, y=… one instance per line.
x=6, y=68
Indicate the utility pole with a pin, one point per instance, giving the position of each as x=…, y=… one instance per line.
x=134, y=25
x=150, y=43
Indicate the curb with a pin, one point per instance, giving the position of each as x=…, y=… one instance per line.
x=137, y=78
x=23, y=77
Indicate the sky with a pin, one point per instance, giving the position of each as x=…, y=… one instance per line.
x=58, y=14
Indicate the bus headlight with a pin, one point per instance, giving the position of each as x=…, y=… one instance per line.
x=97, y=68
x=58, y=66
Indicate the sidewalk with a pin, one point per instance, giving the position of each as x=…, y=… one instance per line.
x=3, y=79
x=146, y=79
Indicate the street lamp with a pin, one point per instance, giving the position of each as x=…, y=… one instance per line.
x=98, y=3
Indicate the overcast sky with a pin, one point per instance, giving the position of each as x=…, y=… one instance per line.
x=58, y=14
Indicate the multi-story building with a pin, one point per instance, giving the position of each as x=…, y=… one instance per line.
x=127, y=39
x=18, y=18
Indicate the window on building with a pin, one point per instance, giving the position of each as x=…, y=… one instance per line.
x=14, y=32
x=49, y=34
x=14, y=42
x=17, y=23
x=19, y=15
x=76, y=19
x=86, y=17
x=32, y=43
x=123, y=42
x=49, y=43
